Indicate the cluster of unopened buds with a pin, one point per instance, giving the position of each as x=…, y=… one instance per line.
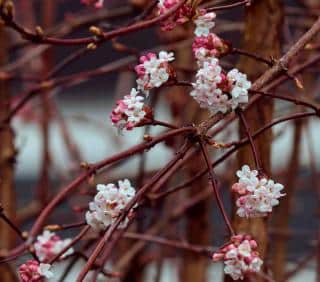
x=208, y=46
x=33, y=271
x=186, y=12
x=108, y=204
x=240, y=257
x=49, y=244
x=181, y=16
x=95, y=3
x=257, y=196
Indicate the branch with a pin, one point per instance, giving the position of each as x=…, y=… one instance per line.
x=204, y=250
x=41, y=39
x=94, y=168
x=139, y=195
x=214, y=183
x=248, y=133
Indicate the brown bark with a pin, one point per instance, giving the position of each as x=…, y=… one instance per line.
x=263, y=21
x=198, y=231
x=48, y=14
x=194, y=268
x=7, y=157
x=281, y=215
x=312, y=5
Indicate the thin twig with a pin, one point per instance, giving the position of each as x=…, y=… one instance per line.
x=214, y=182
x=252, y=144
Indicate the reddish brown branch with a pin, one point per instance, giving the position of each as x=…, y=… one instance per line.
x=42, y=39
x=250, y=138
x=214, y=183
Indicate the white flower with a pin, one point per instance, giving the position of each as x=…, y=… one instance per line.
x=94, y=222
x=108, y=203
x=231, y=254
x=166, y=56
x=45, y=237
x=245, y=172
x=44, y=270
x=239, y=88
x=255, y=264
x=245, y=249
x=233, y=268
x=204, y=23
x=126, y=188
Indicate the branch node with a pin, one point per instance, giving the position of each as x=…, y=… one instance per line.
x=45, y=85
x=25, y=234
x=147, y=138
x=92, y=46
x=39, y=32
x=8, y=10
x=96, y=31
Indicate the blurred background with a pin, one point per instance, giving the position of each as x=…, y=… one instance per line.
x=70, y=124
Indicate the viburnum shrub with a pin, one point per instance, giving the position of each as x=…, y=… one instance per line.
x=225, y=93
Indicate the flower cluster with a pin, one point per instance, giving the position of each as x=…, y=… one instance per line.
x=108, y=204
x=257, y=195
x=33, y=271
x=240, y=257
x=129, y=112
x=219, y=92
x=208, y=46
x=206, y=88
x=96, y=3
x=49, y=244
x=214, y=89
x=154, y=71
x=181, y=16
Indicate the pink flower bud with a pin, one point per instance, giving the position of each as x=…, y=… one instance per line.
x=217, y=256
x=253, y=244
